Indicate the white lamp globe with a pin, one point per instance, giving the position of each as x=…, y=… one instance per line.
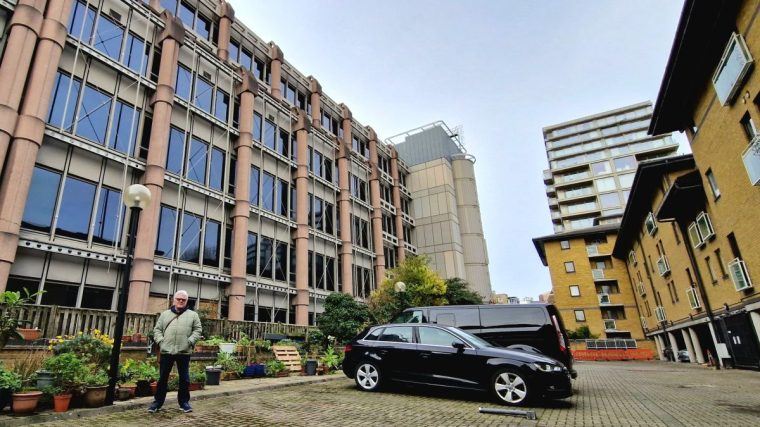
x=137, y=196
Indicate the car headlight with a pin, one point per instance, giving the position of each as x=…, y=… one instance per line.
x=547, y=367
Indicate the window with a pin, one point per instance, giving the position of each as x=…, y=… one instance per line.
x=82, y=22
x=710, y=270
x=136, y=54
x=107, y=217
x=283, y=145
x=281, y=261
x=196, y=161
x=251, y=254
x=438, y=337
x=184, y=82
x=626, y=180
x=165, y=240
x=609, y=200
x=267, y=192
x=569, y=267
x=266, y=253
x=713, y=183
x=92, y=119
x=222, y=105
x=750, y=130
x=40, y=205
x=269, y=134
x=705, y=227
x=739, y=274
x=108, y=37
x=732, y=68
x=64, y=101
x=397, y=334
x=605, y=184
x=211, y=243
x=123, y=136
x=564, y=244
x=216, y=172
x=190, y=238
x=720, y=263
x=575, y=291
x=675, y=232
x=691, y=293
x=234, y=50
x=282, y=196
x=253, y=191
x=176, y=151
x=580, y=316
x=632, y=257
x=659, y=313
x=257, y=127
x=601, y=168
x=696, y=241
x=650, y=224
x=203, y=27
x=203, y=92
x=625, y=164
x=75, y=208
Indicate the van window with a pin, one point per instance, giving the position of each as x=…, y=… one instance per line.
x=410, y=316
x=466, y=317
x=512, y=316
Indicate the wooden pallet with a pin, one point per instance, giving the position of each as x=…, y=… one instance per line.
x=288, y=355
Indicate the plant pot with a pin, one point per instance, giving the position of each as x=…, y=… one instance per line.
x=153, y=388
x=213, y=376
x=95, y=397
x=61, y=402
x=282, y=374
x=142, y=388
x=202, y=348
x=129, y=389
x=126, y=338
x=6, y=396
x=227, y=347
x=137, y=337
x=29, y=334
x=25, y=403
x=196, y=386
x=44, y=378
x=311, y=367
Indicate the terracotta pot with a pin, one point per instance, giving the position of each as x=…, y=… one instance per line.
x=126, y=338
x=196, y=386
x=153, y=388
x=128, y=389
x=25, y=403
x=95, y=397
x=61, y=402
x=281, y=374
x=30, y=334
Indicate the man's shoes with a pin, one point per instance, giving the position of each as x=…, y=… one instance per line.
x=185, y=407
x=154, y=407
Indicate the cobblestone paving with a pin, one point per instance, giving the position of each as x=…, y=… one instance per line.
x=606, y=394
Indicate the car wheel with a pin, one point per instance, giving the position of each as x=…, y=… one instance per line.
x=510, y=387
x=368, y=376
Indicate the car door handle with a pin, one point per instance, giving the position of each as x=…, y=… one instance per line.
x=425, y=354
x=382, y=352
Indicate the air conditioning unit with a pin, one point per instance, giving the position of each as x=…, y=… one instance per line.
x=739, y=274
x=604, y=298
x=663, y=266
x=659, y=313
x=609, y=325
x=694, y=303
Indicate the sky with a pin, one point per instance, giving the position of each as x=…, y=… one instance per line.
x=502, y=70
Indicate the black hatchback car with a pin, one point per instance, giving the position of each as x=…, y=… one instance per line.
x=445, y=356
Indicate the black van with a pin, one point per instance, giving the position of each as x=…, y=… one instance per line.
x=531, y=327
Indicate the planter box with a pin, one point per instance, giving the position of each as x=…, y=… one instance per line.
x=196, y=386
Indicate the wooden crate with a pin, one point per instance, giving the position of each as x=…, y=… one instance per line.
x=288, y=355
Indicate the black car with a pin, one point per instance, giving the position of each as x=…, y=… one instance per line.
x=446, y=356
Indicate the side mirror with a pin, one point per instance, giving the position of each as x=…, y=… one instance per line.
x=458, y=345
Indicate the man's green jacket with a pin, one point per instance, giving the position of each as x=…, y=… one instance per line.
x=180, y=335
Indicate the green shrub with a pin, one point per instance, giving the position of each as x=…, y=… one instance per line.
x=274, y=366
x=69, y=371
x=9, y=380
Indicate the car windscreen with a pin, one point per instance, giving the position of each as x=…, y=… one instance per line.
x=474, y=340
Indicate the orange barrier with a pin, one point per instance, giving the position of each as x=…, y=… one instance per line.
x=614, y=354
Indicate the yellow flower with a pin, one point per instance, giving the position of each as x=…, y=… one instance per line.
x=50, y=347
x=59, y=337
x=79, y=333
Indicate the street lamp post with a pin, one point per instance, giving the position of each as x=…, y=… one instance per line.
x=400, y=288
x=136, y=198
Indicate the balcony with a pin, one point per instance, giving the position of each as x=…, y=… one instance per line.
x=405, y=191
x=386, y=177
x=556, y=215
x=387, y=206
x=548, y=178
x=751, y=159
x=609, y=325
x=550, y=190
x=604, y=299
x=594, y=251
x=407, y=218
x=597, y=274
x=552, y=201
x=390, y=238
x=663, y=266
x=410, y=248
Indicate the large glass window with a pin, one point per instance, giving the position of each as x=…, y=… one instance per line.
x=203, y=26
x=269, y=134
x=626, y=180
x=136, y=54
x=317, y=163
x=257, y=127
x=105, y=228
x=267, y=192
x=216, y=172
x=282, y=196
x=251, y=254
x=108, y=37
x=254, y=187
x=184, y=82
x=62, y=108
x=165, y=240
x=265, y=257
x=605, y=184
x=601, y=168
x=625, y=163
x=234, y=50
x=318, y=213
x=203, y=92
x=281, y=261
x=92, y=120
x=124, y=128
x=190, y=238
x=176, y=151
x=186, y=14
x=609, y=200
x=246, y=59
x=283, y=143
x=196, y=161
x=82, y=21
x=76, y=208
x=222, y=105
x=211, y=243
x=38, y=214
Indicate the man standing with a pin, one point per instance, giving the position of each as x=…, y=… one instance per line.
x=176, y=332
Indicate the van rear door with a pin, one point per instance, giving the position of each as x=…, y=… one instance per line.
x=503, y=326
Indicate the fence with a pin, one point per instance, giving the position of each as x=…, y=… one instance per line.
x=619, y=354
x=56, y=320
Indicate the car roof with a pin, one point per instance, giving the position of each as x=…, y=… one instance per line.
x=533, y=304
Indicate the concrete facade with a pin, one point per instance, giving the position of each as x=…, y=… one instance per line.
x=264, y=188
x=445, y=204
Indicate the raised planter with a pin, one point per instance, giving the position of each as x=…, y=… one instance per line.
x=196, y=386
x=127, y=391
x=25, y=403
x=29, y=334
x=95, y=397
x=285, y=373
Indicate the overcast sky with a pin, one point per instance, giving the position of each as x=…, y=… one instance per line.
x=501, y=69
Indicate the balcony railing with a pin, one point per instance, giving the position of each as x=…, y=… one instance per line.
x=548, y=179
x=604, y=298
x=751, y=159
x=592, y=250
x=597, y=273
x=609, y=325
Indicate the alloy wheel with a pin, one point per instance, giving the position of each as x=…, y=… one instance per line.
x=367, y=376
x=510, y=388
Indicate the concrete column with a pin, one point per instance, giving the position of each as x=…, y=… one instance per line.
x=316, y=102
x=689, y=346
x=302, y=127
x=171, y=38
x=673, y=343
x=29, y=131
x=23, y=30
x=377, y=212
x=242, y=210
x=276, y=69
x=346, y=252
x=396, y=194
x=719, y=355
x=697, y=346
x=226, y=18
x=660, y=349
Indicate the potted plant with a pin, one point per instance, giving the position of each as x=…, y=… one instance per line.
x=330, y=360
x=197, y=377
x=276, y=368
x=10, y=305
x=127, y=336
x=10, y=382
x=96, y=384
x=229, y=365
x=69, y=373
x=127, y=386
x=243, y=343
x=145, y=373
